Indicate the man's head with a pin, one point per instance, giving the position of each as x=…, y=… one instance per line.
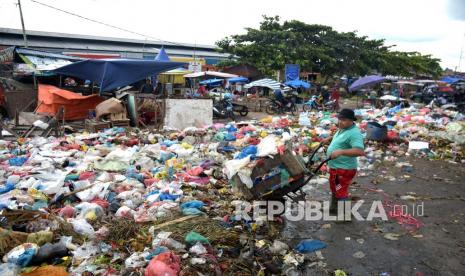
x=148, y=81
x=346, y=118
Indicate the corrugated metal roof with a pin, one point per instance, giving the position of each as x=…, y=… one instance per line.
x=37, y=53
x=102, y=38
x=49, y=41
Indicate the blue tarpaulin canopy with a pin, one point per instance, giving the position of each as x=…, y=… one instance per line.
x=113, y=73
x=238, y=79
x=298, y=83
x=451, y=80
x=162, y=56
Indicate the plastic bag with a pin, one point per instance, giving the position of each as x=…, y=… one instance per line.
x=48, y=252
x=231, y=167
x=136, y=260
x=278, y=247
x=67, y=211
x=17, y=161
x=164, y=264
x=307, y=246
x=22, y=254
x=193, y=237
x=192, y=204
x=6, y=188
x=163, y=239
x=89, y=211
x=40, y=238
x=198, y=249
x=125, y=211
x=267, y=146
x=81, y=226
x=304, y=120
x=191, y=212
x=99, y=190
x=86, y=250
x=249, y=150
x=9, y=269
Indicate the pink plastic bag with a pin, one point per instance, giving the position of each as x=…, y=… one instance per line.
x=164, y=264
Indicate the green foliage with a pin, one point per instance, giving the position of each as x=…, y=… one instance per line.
x=319, y=48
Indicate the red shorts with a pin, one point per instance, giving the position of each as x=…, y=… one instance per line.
x=339, y=181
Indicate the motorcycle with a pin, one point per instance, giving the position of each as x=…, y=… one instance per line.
x=276, y=107
x=312, y=104
x=241, y=109
x=223, y=109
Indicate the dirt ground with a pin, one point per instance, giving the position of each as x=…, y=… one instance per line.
x=438, y=247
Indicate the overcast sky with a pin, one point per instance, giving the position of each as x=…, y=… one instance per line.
x=434, y=27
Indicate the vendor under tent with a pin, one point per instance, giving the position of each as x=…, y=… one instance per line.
x=110, y=74
x=364, y=82
x=210, y=73
x=298, y=84
x=174, y=76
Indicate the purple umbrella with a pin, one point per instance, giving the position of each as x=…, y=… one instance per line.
x=366, y=81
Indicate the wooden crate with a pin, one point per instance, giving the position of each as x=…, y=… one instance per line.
x=95, y=126
x=292, y=163
x=120, y=123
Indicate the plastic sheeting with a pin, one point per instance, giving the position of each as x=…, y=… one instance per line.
x=113, y=73
x=77, y=107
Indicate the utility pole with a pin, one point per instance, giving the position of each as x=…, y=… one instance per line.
x=22, y=23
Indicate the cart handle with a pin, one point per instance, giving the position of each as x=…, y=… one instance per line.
x=321, y=165
x=315, y=151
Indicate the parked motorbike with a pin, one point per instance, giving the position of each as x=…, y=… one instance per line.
x=276, y=107
x=313, y=105
x=223, y=109
x=241, y=109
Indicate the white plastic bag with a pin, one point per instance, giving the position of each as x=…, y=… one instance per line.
x=198, y=249
x=81, y=226
x=267, y=146
x=231, y=167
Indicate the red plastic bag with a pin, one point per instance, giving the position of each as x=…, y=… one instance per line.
x=164, y=264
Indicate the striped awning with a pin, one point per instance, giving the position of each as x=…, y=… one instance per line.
x=269, y=83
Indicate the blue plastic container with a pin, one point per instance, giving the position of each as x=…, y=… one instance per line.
x=376, y=132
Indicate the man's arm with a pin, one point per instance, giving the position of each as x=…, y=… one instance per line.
x=353, y=152
x=327, y=140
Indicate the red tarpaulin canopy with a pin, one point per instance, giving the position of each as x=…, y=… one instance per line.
x=77, y=107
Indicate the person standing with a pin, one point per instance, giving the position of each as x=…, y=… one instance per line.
x=147, y=87
x=346, y=145
x=335, y=96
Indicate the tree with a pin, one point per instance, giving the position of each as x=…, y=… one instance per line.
x=320, y=48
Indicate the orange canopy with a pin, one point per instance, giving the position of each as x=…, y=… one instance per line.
x=77, y=107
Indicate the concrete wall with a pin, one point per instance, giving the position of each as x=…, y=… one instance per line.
x=182, y=113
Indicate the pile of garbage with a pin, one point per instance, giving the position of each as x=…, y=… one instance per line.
x=432, y=133
x=126, y=200
x=122, y=201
